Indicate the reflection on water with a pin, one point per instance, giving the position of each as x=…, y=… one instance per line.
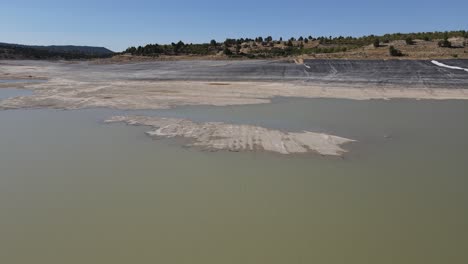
x=73, y=190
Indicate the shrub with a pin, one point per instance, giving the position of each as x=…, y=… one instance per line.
x=238, y=48
x=445, y=43
x=394, y=52
x=409, y=41
x=376, y=43
x=227, y=51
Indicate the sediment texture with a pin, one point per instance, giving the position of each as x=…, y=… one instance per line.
x=221, y=136
x=159, y=85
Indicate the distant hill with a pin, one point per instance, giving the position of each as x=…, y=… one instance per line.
x=88, y=50
x=18, y=51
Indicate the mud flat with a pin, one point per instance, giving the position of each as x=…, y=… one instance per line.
x=163, y=85
x=221, y=136
x=69, y=94
x=159, y=85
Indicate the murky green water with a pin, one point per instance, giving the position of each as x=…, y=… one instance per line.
x=74, y=190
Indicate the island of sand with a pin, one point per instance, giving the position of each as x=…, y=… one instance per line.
x=221, y=136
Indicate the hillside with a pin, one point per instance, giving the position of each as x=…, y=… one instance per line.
x=410, y=45
x=18, y=51
x=420, y=49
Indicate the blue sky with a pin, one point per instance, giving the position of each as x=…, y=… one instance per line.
x=119, y=24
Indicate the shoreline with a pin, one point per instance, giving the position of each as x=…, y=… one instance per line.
x=139, y=95
x=146, y=87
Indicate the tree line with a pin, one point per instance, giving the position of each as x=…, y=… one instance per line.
x=267, y=46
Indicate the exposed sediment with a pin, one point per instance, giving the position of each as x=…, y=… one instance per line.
x=221, y=136
x=69, y=94
x=159, y=85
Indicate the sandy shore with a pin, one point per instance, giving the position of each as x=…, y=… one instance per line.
x=69, y=94
x=159, y=85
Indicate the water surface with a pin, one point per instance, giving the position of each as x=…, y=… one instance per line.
x=22, y=80
x=74, y=190
x=12, y=92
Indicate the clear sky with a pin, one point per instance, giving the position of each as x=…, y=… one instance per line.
x=118, y=24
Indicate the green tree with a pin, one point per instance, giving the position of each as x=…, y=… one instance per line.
x=179, y=46
x=131, y=50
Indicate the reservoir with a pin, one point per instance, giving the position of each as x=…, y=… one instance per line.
x=76, y=190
